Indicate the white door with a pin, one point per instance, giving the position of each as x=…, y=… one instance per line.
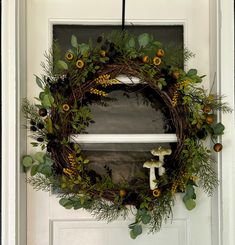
x=47, y=221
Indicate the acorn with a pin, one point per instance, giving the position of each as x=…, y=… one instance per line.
x=42, y=112
x=206, y=108
x=145, y=59
x=122, y=193
x=218, y=147
x=210, y=119
x=160, y=52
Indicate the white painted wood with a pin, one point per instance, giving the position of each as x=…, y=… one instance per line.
x=123, y=138
x=227, y=160
x=42, y=14
x=89, y=232
x=10, y=93
x=13, y=72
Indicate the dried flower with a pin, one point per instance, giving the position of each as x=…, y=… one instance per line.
x=79, y=64
x=156, y=192
x=69, y=56
x=66, y=107
x=157, y=61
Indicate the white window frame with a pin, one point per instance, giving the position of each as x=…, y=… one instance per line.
x=13, y=72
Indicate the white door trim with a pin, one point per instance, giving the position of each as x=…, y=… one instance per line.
x=13, y=73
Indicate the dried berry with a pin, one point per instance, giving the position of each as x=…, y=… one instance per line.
x=218, y=147
x=32, y=122
x=40, y=125
x=40, y=139
x=33, y=128
x=42, y=112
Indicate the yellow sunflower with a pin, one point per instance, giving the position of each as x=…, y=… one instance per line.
x=156, y=192
x=79, y=64
x=69, y=56
x=66, y=107
x=157, y=61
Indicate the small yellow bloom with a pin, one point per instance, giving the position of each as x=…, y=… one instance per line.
x=157, y=61
x=79, y=64
x=66, y=107
x=156, y=192
x=69, y=56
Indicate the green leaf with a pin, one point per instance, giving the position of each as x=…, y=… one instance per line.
x=132, y=234
x=137, y=230
x=190, y=204
x=192, y=72
x=39, y=156
x=84, y=48
x=46, y=170
x=27, y=161
x=145, y=219
x=130, y=43
x=190, y=190
x=66, y=203
x=62, y=65
x=218, y=129
x=47, y=101
x=39, y=82
x=74, y=41
x=34, y=169
x=143, y=39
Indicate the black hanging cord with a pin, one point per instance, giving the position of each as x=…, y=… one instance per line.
x=123, y=13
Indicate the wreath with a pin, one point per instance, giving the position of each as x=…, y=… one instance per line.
x=86, y=74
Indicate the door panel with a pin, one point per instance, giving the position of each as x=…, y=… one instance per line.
x=48, y=222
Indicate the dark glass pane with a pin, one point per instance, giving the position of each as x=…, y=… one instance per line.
x=130, y=109
x=125, y=160
x=172, y=34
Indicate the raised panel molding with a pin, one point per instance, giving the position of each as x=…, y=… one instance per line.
x=89, y=232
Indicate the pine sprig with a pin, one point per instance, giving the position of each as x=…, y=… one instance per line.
x=103, y=210
x=40, y=182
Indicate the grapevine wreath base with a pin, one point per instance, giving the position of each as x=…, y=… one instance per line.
x=85, y=75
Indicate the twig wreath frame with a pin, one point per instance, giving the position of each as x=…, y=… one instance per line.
x=63, y=109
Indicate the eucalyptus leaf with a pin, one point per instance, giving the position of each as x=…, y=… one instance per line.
x=39, y=156
x=74, y=41
x=132, y=234
x=47, y=100
x=190, y=204
x=62, y=65
x=34, y=169
x=144, y=39
x=84, y=48
x=39, y=82
x=27, y=161
x=137, y=230
x=192, y=72
x=145, y=219
x=218, y=129
x=66, y=203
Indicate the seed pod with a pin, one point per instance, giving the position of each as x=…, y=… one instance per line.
x=42, y=112
x=218, y=147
